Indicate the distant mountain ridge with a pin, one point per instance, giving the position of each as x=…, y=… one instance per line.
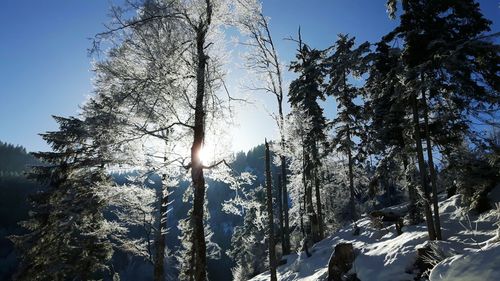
x=15, y=190
x=15, y=159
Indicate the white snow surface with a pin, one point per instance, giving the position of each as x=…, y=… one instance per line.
x=471, y=249
x=478, y=265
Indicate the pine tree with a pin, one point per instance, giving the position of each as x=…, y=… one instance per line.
x=388, y=131
x=248, y=248
x=68, y=235
x=185, y=257
x=305, y=93
x=298, y=127
x=345, y=62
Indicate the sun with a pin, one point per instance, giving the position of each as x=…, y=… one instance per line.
x=205, y=156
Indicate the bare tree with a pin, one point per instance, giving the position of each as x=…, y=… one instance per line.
x=264, y=61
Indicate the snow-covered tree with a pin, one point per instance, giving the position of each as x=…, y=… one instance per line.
x=169, y=72
x=346, y=62
x=389, y=131
x=447, y=63
x=299, y=125
x=270, y=212
x=248, y=248
x=68, y=234
x=305, y=93
x=263, y=61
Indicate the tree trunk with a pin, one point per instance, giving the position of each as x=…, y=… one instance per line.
x=280, y=213
x=286, y=229
x=437, y=221
x=159, y=270
x=197, y=177
x=312, y=216
x=305, y=232
x=272, y=253
x=412, y=193
x=352, y=204
x=272, y=61
x=318, y=205
x=302, y=206
x=421, y=168
x=412, y=208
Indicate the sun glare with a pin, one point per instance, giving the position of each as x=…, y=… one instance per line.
x=204, y=155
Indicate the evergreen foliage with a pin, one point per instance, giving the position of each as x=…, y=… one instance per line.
x=68, y=235
x=347, y=62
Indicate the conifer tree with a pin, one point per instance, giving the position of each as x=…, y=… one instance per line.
x=68, y=234
x=247, y=249
x=298, y=127
x=346, y=61
x=388, y=130
x=445, y=59
x=305, y=93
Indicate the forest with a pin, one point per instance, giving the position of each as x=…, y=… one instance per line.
x=141, y=185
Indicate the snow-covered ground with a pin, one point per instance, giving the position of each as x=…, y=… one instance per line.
x=471, y=249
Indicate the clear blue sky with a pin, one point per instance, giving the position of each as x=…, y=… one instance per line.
x=45, y=70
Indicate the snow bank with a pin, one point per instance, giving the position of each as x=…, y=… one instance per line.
x=389, y=259
x=482, y=260
x=471, y=246
x=481, y=265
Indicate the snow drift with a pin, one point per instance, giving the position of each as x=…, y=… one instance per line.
x=470, y=250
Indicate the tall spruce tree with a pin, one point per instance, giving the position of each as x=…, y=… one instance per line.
x=344, y=63
x=298, y=127
x=388, y=131
x=68, y=235
x=305, y=93
x=247, y=251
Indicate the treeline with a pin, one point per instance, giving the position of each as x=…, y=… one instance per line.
x=403, y=132
x=419, y=92
x=14, y=159
x=14, y=207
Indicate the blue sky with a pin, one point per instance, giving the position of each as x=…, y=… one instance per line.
x=45, y=70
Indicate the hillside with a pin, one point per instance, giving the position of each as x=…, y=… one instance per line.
x=14, y=159
x=14, y=192
x=470, y=251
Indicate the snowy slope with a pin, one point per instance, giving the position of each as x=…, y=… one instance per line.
x=382, y=255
